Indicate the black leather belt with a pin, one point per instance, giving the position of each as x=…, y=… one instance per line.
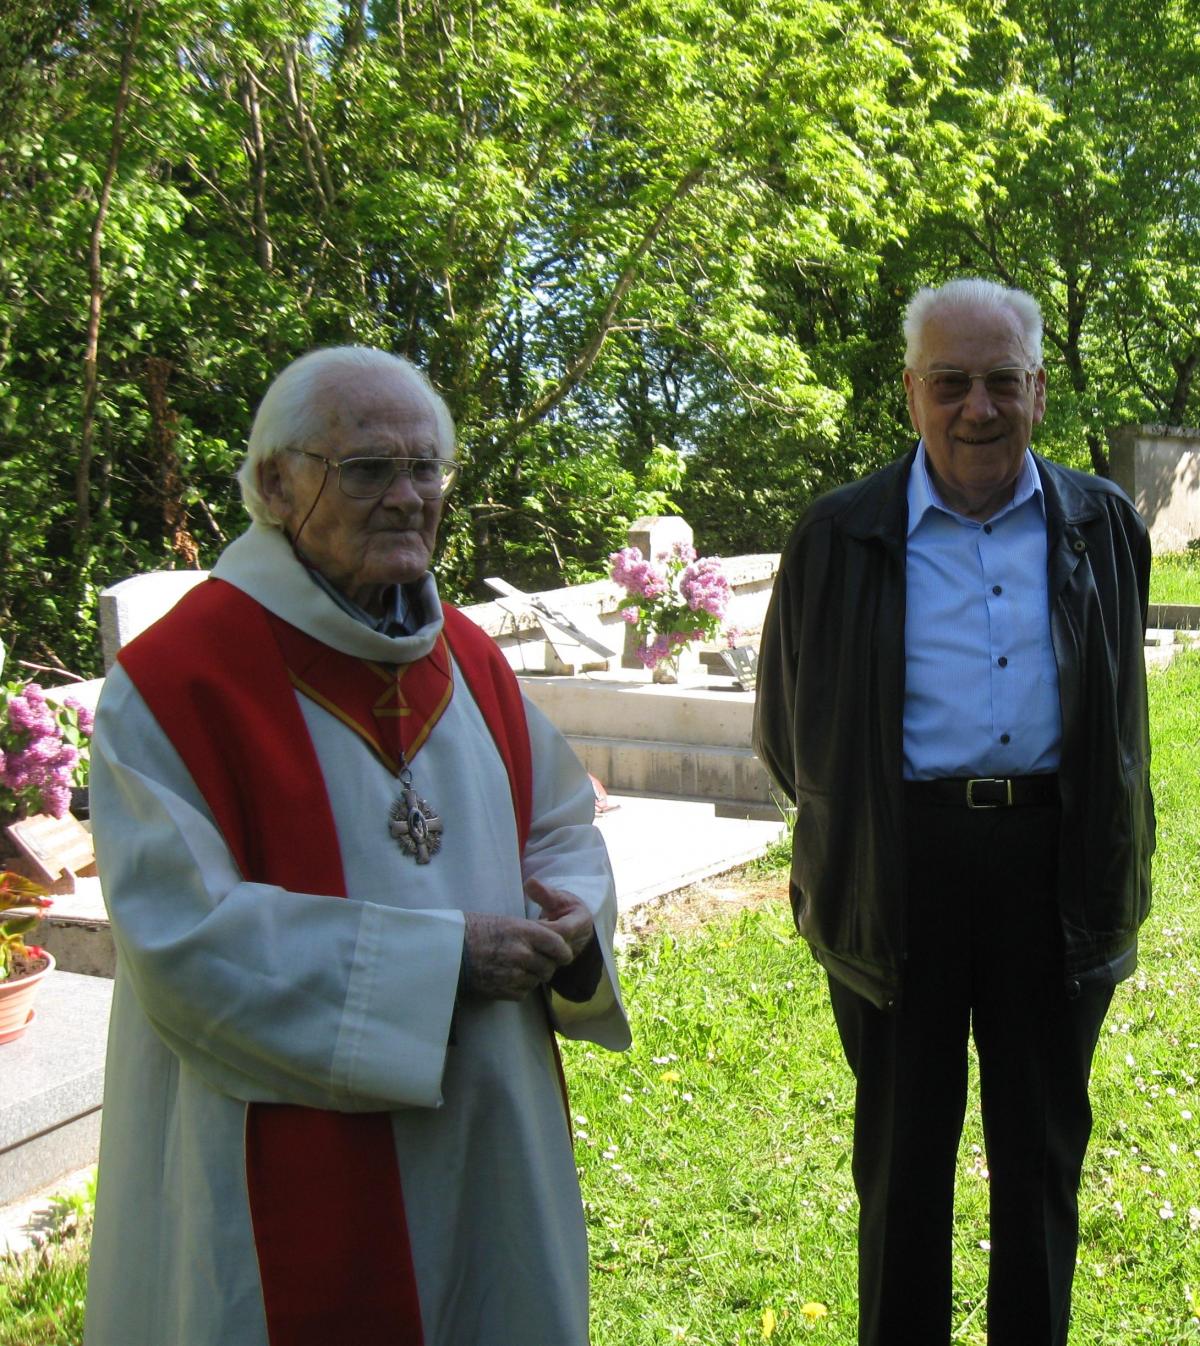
x=985, y=792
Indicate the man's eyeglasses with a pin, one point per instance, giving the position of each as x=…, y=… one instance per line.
x=368, y=478
x=954, y=385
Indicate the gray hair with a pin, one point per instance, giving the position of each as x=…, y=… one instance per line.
x=287, y=416
x=977, y=296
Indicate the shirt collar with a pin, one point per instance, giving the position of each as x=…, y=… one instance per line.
x=923, y=494
x=393, y=622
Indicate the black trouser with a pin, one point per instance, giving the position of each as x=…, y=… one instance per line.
x=984, y=956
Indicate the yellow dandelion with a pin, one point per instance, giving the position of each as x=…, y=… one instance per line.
x=812, y=1311
x=768, y=1323
x=669, y=1076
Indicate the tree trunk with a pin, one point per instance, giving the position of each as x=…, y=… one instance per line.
x=170, y=480
x=83, y=469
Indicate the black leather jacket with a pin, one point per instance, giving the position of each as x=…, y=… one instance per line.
x=829, y=723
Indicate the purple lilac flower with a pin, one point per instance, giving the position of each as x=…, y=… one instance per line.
x=43, y=751
x=638, y=576
x=84, y=717
x=56, y=798
x=655, y=652
x=37, y=763
x=28, y=711
x=705, y=587
x=631, y=615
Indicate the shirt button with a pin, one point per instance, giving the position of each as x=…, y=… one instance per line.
x=987, y=527
x=996, y=589
x=1005, y=738
x=1002, y=661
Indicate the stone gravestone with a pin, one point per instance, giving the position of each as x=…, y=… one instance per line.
x=127, y=608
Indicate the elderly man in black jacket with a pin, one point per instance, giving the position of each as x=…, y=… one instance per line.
x=952, y=693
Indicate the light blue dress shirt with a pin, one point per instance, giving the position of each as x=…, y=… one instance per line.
x=981, y=684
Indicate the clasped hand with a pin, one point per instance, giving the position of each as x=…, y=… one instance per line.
x=507, y=956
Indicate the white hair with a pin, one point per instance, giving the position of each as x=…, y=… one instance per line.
x=287, y=417
x=975, y=296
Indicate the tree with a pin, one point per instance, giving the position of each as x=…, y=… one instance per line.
x=582, y=219
x=1095, y=209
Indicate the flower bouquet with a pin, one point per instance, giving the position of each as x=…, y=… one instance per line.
x=673, y=599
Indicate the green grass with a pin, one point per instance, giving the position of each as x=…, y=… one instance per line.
x=1175, y=577
x=715, y=1154
x=42, y=1292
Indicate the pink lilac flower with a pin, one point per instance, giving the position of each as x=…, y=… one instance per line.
x=705, y=587
x=43, y=751
x=29, y=712
x=638, y=576
x=83, y=716
x=655, y=652
x=56, y=798
x=37, y=764
x=631, y=615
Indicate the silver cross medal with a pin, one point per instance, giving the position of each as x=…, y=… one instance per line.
x=413, y=823
x=416, y=827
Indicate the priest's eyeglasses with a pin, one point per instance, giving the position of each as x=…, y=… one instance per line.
x=948, y=386
x=369, y=478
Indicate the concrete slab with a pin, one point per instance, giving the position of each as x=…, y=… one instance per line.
x=658, y=846
x=678, y=770
x=700, y=709
x=51, y=1083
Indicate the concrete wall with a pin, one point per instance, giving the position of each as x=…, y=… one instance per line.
x=1158, y=466
x=130, y=606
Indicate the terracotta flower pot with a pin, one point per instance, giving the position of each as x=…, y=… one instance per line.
x=16, y=1000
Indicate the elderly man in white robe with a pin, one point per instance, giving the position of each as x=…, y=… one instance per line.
x=355, y=888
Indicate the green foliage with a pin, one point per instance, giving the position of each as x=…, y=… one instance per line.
x=22, y=906
x=654, y=253
x=1087, y=197
x=584, y=221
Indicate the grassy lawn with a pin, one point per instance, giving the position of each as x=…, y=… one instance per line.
x=1175, y=577
x=715, y=1154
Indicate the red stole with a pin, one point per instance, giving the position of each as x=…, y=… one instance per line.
x=324, y=1187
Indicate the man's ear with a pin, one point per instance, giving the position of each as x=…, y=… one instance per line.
x=275, y=484
x=910, y=392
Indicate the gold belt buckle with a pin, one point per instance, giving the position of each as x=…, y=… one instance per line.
x=989, y=780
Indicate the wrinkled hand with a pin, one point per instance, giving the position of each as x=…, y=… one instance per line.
x=562, y=912
x=507, y=956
